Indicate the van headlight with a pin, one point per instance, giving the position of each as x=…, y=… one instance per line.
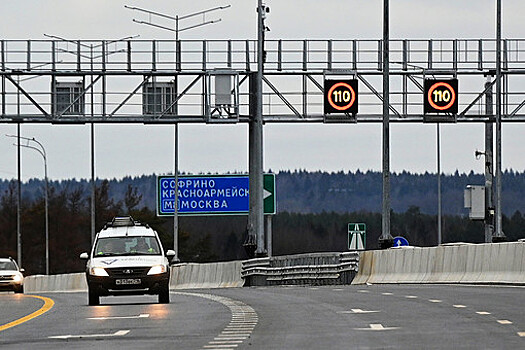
x=157, y=269
x=18, y=278
x=98, y=271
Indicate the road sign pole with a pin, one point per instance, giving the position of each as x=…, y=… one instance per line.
x=386, y=239
x=489, y=162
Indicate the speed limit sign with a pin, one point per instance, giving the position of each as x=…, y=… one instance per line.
x=340, y=96
x=441, y=96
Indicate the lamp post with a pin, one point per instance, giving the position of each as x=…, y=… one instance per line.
x=91, y=57
x=177, y=30
x=42, y=151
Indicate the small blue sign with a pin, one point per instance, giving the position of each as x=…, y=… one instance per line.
x=204, y=195
x=400, y=242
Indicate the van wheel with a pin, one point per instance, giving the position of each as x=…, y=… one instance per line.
x=19, y=289
x=93, y=298
x=164, y=295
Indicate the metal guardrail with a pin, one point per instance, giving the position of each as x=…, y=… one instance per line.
x=310, y=269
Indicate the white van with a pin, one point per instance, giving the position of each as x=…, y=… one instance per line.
x=127, y=258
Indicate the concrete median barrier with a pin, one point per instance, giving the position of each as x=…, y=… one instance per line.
x=502, y=263
x=183, y=276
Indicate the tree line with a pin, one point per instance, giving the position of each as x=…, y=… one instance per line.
x=212, y=238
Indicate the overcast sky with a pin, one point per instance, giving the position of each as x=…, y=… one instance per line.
x=137, y=149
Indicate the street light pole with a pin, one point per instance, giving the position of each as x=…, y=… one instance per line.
x=42, y=151
x=177, y=30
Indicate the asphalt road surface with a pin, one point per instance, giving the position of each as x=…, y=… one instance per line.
x=295, y=317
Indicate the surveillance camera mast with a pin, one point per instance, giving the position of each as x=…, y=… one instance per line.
x=239, y=81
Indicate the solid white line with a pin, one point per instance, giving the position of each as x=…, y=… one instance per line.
x=483, y=313
x=118, y=317
x=504, y=322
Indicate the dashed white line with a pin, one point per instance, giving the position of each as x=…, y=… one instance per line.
x=387, y=293
x=376, y=327
x=69, y=336
x=411, y=296
x=357, y=311
x=521, y=334
x=458, y=306
x=118, y=317
x=363, y=291
x=483, y=313
x=504, y=322
x=435, y=301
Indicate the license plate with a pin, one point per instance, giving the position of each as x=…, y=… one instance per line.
x=128, y=281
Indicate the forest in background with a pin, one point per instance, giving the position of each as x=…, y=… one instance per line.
x=313, y=214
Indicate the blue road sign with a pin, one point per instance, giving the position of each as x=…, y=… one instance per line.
x=207, y=195
x=400, y=241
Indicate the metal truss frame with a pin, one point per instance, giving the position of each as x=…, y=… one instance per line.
x=292, y=78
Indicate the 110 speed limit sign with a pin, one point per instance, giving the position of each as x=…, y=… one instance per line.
x=340, y=96
x=441, y=96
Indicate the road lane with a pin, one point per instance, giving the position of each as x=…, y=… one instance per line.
x=19, y=308
x=342, y=317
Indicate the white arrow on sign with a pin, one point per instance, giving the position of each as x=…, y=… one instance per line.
x=266, y=193
x=116, y=334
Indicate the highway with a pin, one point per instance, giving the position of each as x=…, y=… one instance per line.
x=288, y=317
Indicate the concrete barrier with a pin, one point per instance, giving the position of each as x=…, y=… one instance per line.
x=183, y=276
x=502, y=263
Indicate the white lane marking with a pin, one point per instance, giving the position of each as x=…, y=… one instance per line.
x=338, y=289
x=376, y=327
x=411, y=296
x=243, y=321
x=118, y=317
x=387, y=293
x=521, y=334
x=362, y=291
x=483, y=313
x=459, y=306
x=357, y=311
x=80, y=336
x=504, y=322
x=314, y=288
x=435, y=301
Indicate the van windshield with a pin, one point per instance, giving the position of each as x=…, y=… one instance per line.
x=137, y=245
x=7, y=265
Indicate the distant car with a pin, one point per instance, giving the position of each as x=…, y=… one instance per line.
x=127, y=258
x=11, y=277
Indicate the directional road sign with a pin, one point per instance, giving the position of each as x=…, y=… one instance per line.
x=356, y=236
x=211, y=195
x=400, y=242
